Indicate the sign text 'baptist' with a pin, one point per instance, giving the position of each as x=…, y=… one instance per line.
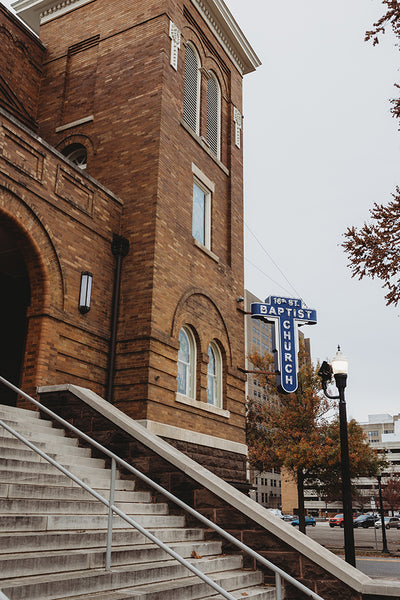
x=286, y=314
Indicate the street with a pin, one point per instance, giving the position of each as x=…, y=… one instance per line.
x=380, y=565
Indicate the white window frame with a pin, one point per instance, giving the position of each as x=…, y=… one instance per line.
x=190, y=366
x=215, y=399
x=217, y=118
x=206, y=242
x=189, y=93
x=208, y=188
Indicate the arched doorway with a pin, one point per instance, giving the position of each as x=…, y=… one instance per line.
x=14, y=300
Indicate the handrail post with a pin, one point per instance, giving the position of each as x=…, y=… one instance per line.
x=278, y=586
x=110, y=515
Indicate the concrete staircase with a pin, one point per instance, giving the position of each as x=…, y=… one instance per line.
x=53, y=533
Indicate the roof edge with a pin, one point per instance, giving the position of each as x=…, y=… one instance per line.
x=221, y=21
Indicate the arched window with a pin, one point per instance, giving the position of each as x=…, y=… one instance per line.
x=186, y=363
x=214, y=376
x=191, y=101
x=214, y=115
x=77, y=154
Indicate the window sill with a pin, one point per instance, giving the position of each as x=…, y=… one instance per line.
x=202, y=406
x=205, y=147
x=206, y=250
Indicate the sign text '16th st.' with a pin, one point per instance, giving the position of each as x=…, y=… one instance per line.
x=286, y=314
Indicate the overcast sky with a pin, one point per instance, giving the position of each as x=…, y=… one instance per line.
x=320, y=148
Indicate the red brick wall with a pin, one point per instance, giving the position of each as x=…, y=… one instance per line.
x=21, y=59
x=142, y=151
x=62, y=222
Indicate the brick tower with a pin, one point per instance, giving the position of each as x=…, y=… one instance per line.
x=140, y=104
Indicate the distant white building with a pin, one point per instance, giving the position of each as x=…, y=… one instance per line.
x=383, y=433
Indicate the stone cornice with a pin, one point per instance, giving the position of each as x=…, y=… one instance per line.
x=214, y=12
x=221, y=22
x=36, y=12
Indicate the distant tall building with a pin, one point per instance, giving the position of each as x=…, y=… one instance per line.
x=258, y=335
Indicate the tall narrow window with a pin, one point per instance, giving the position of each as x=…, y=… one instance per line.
x=214, y=376
x=186, y=363
x=191, y=102
x=214, y=115
x=201, y=218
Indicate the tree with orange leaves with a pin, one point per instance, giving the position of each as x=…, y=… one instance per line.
x=364, y=460
x=294, y=431
x=285, y=430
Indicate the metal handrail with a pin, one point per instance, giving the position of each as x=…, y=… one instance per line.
x=279, y=573
x=113, y=509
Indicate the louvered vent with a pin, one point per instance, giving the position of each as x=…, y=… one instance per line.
x=213, y=116
x=191, y=98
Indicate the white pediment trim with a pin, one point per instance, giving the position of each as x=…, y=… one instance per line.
x=36, y=12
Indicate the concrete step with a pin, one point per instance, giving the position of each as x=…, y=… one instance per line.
x=57, y=478
x=68, y=540
x=61, y=457
x=22, y=413
x=34, y=465
x=80, y=522
x=259, y=593
x=65, y=445
x=32, y=563
x=42, y=587
x=32, y=425
x=192, y=588
x=48, y=492
x=28, y=506
x=49, y=435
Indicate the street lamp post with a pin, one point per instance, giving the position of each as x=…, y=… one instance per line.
x=382, y=515
x=339, y=369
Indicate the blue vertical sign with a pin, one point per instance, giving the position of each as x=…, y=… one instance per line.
x=286, y=314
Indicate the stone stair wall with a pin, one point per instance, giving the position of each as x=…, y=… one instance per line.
x=298, y=555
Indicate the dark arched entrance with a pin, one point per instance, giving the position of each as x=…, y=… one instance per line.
x=14, y=300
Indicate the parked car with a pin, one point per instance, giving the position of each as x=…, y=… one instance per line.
x=337, y=521
x=389, y=523
x=288, y=517
x=365, y=521
x=309, y=521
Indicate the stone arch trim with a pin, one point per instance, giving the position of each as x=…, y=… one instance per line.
x=191, y=35
x=77, y=138
x=39, y=252
x=207, y=300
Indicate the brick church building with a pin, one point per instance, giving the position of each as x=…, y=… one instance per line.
x=121, y=203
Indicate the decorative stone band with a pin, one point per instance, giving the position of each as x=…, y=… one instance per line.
x=194, y=437
x=237, y=118
x=175, y=36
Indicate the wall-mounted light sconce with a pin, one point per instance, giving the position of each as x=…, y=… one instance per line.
x=85, y=292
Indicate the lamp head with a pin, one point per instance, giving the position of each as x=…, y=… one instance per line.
x=340, y=364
